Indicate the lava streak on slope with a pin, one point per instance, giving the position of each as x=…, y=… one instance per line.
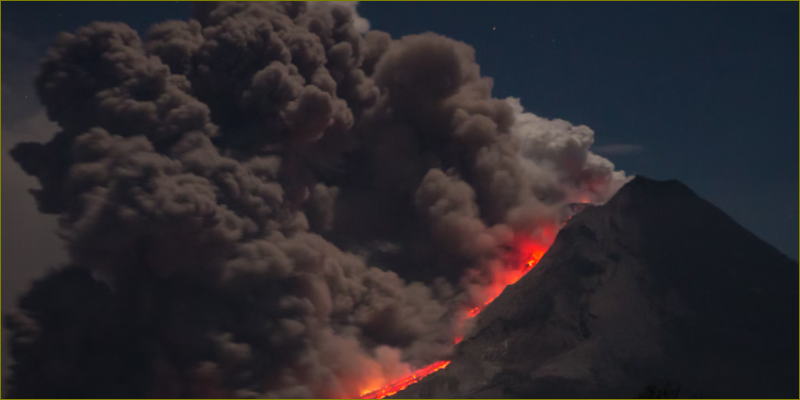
x=508, y=276
x=522, y=260
x=404, y=382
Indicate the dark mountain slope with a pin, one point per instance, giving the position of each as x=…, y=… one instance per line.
x=658, y=285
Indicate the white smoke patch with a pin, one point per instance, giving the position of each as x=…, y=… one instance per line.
x=559, y=158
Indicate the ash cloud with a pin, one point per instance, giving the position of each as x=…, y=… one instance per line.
x=270, y=201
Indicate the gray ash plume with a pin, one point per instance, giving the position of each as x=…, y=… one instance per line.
x=269, y=201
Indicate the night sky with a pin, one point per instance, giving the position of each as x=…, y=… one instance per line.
x=705, y=93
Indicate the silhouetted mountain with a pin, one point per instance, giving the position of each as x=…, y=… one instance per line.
x=656, y=286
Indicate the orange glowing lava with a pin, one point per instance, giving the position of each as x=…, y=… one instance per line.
x=404, y=382
x=509, y=277
x=513, y=272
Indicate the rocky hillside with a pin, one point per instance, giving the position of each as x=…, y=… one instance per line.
x=656, y=286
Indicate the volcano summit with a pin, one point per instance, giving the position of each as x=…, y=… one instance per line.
x=657, y=286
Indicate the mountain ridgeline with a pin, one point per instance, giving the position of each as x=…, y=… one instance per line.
x=655, y=287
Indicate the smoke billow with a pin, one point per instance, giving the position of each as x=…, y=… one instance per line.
x=270, y=201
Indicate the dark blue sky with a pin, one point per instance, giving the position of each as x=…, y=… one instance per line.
x=708, y=90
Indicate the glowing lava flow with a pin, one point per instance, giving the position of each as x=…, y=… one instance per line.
x=510, y=277
x=404, y=382
x=502, y=279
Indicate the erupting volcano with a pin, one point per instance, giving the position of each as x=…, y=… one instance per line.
x=271, y=201
x=634, y=294
x=268, y=199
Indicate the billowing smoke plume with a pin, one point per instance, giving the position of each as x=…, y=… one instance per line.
x=267, y=200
